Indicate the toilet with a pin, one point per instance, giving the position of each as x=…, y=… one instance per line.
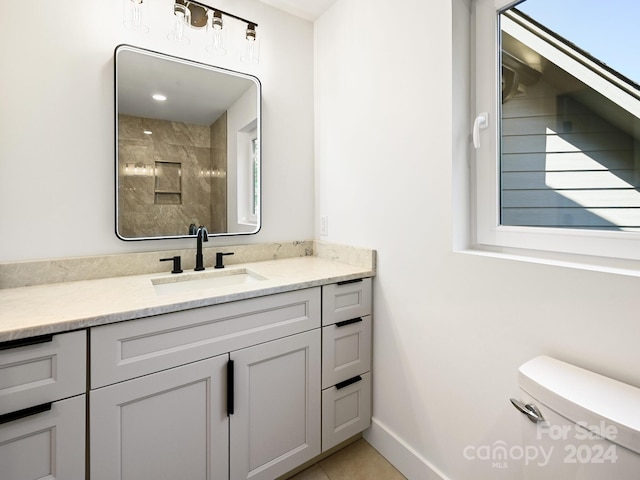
x=577, y=424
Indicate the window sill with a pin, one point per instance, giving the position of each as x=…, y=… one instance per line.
x=615, y=266
x=248, y=223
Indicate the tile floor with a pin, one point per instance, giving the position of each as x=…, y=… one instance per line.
x=358, y=461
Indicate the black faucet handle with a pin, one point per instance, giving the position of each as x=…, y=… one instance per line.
x=202, y=233
x=219, y=257
x=177, y=267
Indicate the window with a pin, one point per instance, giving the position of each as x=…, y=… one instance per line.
x=248, y=181
x=558, y=166
x=255, y=175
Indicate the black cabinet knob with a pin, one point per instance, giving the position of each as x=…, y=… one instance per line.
x=177, y=267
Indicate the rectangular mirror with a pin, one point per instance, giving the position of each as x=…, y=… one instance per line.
x=187, y=147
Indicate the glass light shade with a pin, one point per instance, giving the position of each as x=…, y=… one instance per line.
x=181, y=18
x=252, y=46
x=216, y=34
x=133, y=15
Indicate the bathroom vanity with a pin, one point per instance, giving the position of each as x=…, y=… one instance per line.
x=235, y=382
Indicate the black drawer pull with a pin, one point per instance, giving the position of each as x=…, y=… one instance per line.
x=346, y=383
x=347, y=282
x=26, y=412
x=344, y=323
x=24, y=342
x=230, y=388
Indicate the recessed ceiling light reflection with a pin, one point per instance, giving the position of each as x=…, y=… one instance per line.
x=147, y=132
x=159, y=97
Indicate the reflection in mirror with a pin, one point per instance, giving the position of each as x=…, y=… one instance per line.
x=187, y=147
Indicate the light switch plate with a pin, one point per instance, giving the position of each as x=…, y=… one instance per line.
x=324, y=225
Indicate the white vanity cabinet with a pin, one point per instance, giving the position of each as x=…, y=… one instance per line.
x=228, y=391
x=346, y=360
x=166, y=425
x=275, y=426
x=249, y=389
x=42, y=407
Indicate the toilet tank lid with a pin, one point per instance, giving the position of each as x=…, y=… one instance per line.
x=585, y=397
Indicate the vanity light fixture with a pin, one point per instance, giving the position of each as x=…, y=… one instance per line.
x=133, y=15
x=159, y=97
x=252, y=46
x=216, y=34
x=197, y=16
x=181, y=18
x=201, y=15
x=139, y=169
x=217, y=173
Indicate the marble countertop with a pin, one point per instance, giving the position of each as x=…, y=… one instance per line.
x=61, y=307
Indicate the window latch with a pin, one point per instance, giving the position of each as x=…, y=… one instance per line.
x=481, y=122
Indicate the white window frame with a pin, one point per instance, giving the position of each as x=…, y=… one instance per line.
x=254, y=193
x=488, y=234
x=246, y=181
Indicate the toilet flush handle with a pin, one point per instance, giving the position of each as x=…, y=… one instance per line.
x=530, y=410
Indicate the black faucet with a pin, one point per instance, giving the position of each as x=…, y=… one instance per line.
x=201, y=236
x=219, y=262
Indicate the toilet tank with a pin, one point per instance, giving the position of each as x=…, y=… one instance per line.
x=589, y=427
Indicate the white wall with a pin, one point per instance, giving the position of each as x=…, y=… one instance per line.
x=241, y=123
x=450, y=329
x=57, y=124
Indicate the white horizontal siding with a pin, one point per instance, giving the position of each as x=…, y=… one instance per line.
x=564, y=166
x=566, y=161
x=583, y=180
x=567, y=142
x=547, y=198
x=558, y=123
x=612, y=218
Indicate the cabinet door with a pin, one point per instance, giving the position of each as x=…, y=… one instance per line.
x=168, y=425
x=47, y=445
x=276, y=422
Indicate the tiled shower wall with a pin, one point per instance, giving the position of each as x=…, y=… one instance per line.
x=218, y=181
x=141, y=212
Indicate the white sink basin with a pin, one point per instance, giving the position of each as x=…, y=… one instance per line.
x=191, y=282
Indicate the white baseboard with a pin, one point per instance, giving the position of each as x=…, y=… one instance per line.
x=404, y=458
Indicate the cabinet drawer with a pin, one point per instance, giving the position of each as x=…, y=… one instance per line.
x=345, y=411
x=139, y=347
x=50, y=444
x=346, y=350
x=42, y=372
x=346, y=301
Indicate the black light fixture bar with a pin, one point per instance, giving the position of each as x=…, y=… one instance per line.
x=203, y=5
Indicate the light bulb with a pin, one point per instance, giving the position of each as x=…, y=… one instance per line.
x=181, y=18
x=252, y=45
x=216, y=32
x=133, y=16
